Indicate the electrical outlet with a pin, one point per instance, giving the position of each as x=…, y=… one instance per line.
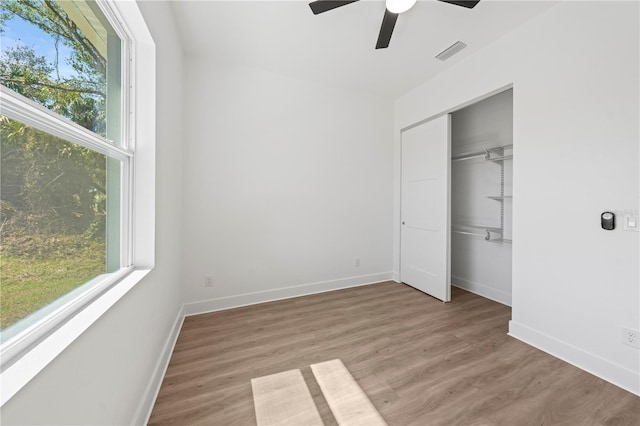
x=631, y=337
x=208, y=281
x=356, y=262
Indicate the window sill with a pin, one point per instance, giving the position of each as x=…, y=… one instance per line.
x=18, y=374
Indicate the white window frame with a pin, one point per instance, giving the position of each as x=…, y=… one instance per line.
x=29, y=352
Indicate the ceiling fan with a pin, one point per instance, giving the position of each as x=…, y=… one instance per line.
x=394, y=8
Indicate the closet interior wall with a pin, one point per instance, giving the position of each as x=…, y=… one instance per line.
x=481, y=197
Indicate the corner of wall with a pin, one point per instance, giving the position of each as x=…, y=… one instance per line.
x=143, y=412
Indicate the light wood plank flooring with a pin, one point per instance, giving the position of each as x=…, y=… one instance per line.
x=420, y=361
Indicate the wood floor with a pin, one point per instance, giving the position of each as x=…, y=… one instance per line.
x=420, y=361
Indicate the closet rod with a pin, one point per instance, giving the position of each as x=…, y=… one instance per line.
x=476, y=154
x=486, y=236
x=501, y=240
x=468, y=156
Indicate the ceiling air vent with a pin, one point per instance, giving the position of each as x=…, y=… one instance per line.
x=451, y=50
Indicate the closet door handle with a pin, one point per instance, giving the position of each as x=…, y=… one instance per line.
x=403, y=222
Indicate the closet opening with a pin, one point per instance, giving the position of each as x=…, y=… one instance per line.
x=481, y=197
x=456, y=200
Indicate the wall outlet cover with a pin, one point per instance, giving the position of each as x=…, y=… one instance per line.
x=208, y=281
x=631, y=337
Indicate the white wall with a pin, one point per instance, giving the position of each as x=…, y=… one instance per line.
x=287, y=182
x=104, y=376
x=575, y=73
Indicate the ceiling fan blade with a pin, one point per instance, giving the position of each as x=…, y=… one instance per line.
x=386, y=29
x=468, y=4
x=320, y=6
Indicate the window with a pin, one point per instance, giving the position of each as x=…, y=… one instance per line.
x=76, y=148
x=54, y=206
x=61, y=199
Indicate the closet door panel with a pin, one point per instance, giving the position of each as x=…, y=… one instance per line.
x=419, y=213
x=425, y=208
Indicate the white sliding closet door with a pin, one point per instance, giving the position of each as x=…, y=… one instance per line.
x=424, y=252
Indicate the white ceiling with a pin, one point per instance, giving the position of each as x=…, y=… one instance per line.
x=338, y=47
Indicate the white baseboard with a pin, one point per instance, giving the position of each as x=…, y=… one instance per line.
x=618, y=375
x=396, y=277
x=148, y=400
x=482, y=290
x=239, y=300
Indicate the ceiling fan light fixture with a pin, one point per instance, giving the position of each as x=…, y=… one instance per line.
x=399, y=6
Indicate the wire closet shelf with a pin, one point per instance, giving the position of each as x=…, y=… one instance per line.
x=491, y=234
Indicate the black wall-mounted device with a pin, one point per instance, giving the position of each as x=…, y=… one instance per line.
x=608, y=221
